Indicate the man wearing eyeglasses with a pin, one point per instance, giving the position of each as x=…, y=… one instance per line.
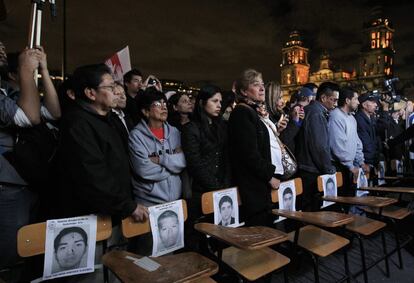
x=94, y=173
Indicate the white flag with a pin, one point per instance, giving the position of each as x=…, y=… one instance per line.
x=120, y=64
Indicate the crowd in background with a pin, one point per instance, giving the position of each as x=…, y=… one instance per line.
x=116, y=148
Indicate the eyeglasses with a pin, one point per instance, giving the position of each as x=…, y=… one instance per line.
x=109, y=87
x=159, y=104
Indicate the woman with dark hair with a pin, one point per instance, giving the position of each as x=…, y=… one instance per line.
x=156, y=157
x=155, y=152
x=204, y=142
x=179, y=110
x=228, y=104
x=205, y=145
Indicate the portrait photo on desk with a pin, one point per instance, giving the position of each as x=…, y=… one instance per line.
x=287, y=197
x=399, y=167
x=362, y=182
x=167, y=226
x=70, y=246
x=381, y=173
x=330, y=188
x=226, y=208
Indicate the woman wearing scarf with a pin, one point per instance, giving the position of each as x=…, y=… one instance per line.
x=250, y=148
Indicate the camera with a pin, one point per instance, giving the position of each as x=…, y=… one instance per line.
x=388, y=94
x=390, y=87
x=152, y=81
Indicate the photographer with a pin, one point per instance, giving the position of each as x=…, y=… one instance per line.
x=17, y=202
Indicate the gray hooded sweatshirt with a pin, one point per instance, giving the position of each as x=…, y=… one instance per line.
x=155, y=183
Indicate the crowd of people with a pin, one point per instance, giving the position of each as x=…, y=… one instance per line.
x=116, y=148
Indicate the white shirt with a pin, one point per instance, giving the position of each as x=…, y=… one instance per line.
x=275, y=150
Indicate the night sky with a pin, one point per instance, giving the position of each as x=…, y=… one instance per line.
x=210, y=40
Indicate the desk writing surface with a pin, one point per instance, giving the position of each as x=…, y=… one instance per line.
x=183, y=267
x=243, y=237
x=319, y=218
x=408, y=190
x=371, y=201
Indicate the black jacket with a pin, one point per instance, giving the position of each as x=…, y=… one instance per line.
x=207, y=160
x=94, y=175
x=132, y=109
x=395, y=129
x=252, y=167
x=313, y=150
x=367, y=132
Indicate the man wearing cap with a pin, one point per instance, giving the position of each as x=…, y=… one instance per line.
x=366, y=125
x=302, y=97
x=313, y=150
x=346, y=147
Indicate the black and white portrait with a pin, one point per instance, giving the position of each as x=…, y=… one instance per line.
x=362, y=182
x=287, y=197
x=70, y=246
x=330, y=188
x=167, y=226
x=399, y=167
x=226, y=208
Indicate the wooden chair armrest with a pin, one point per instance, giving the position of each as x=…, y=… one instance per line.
x=249, y=238
x=319, y=218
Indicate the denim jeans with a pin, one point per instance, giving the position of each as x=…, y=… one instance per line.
x=17, y=205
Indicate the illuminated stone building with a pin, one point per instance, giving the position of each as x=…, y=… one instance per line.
x=294, y=66
x=377, y=56
x=375, y=61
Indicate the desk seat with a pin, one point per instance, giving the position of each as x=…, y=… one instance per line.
x=394, y=212
x=318, y=241
x=254, y=264
x=364, y=225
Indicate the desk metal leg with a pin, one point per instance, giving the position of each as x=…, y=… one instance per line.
x=315, y=267
x=364, y=265
x=384, y=248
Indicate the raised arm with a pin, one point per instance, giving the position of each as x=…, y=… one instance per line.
x=29, y=100
x=51, y=99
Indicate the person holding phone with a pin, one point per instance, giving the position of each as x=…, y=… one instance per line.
x=288, y=125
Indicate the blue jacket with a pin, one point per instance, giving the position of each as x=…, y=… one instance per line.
x=313, y=148
x=366, y=128
x=155, y=183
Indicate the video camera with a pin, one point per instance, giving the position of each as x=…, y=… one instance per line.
x=389, y=93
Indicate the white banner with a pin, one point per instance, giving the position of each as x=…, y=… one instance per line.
x=120, y=64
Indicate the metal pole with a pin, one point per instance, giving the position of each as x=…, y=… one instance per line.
x=32, y=24
x=64, y=40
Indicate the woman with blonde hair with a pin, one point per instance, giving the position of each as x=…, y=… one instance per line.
x=250, y=150
x=275, y=106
